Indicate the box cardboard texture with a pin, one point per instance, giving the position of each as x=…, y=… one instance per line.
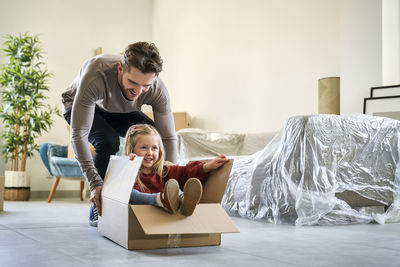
x=147, y=227
x=181, y=119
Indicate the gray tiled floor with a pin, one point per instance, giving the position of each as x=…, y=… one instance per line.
x=35, y=233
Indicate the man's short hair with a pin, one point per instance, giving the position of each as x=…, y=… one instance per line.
x=143, y=56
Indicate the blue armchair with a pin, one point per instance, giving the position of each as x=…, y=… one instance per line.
x=60, y=166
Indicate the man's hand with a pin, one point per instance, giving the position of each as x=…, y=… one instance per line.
x=215, y=163
x=95, y=198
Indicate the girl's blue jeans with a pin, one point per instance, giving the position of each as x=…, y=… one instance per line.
x=140, y=198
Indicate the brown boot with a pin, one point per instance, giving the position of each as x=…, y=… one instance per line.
x=170, y=196
x=192, y=192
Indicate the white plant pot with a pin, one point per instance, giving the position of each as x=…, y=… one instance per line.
x=17, y=185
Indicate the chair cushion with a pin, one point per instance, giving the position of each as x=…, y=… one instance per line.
x=121, y=146
x=43, y=149
x=55, y=150
x=66, y=167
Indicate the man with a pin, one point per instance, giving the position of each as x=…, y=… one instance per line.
x=105, y=99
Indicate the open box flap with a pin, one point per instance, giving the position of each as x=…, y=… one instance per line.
x=206, y=219
x=214, y=187
x=120, y=178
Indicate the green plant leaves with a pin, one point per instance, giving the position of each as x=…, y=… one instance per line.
x=23, y=81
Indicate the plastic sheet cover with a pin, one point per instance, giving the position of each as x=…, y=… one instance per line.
x=298, y=176
x=195, y=143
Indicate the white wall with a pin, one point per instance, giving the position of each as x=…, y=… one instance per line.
x=246, y=65
x=243, y=65
x=360, y=52
x=70, y=32
x=390, y=42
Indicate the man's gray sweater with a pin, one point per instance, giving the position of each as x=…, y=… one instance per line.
x=96, y=87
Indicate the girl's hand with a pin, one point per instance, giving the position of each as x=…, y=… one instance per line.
x=132, y=156
x=215, y=163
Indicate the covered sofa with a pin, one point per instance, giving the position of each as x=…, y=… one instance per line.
x=321, y=169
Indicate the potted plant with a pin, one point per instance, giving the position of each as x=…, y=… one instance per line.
x=23, y=111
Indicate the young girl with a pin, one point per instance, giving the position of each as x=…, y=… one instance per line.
x=159, y=185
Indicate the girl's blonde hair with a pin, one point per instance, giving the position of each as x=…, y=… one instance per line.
x=131, y=139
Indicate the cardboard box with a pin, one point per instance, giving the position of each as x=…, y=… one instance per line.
x=146, y=226
x=181, y=119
